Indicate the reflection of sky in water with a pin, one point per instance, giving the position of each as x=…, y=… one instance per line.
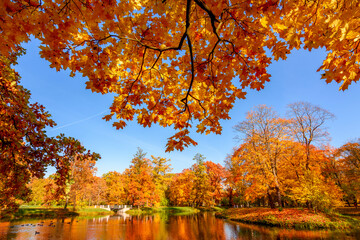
x=157, y=227
x=229, y=230
x=242, y=231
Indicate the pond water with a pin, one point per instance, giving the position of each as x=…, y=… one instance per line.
x=157, y=227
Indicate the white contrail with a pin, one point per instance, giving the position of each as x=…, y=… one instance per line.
x=79, y=121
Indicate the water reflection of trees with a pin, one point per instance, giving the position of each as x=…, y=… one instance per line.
x=153, y=227
x=199, y=226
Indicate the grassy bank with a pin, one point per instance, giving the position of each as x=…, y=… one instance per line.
x=56, y=212
x=211, y=209
x=151, y=210
x=350, y=211
x=175, y=210
x=290, y=218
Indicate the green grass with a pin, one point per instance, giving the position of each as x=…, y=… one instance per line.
x=151, y=210
x=350, y=211
x=55, y=212
x=174, y=210
x=211, y=209
x=93, y=211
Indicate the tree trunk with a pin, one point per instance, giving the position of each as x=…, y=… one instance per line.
x=307, y=165
x=66, y=202
x=74, y=201
x=278, y=193
x=231, y=203
x=277, y=187
x=271, y=202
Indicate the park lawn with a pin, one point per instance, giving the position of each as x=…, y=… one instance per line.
x=173, y=209
x=290, y=218
x=56, y=212
x=151, y=210
x=212, y=209
x=91, y=211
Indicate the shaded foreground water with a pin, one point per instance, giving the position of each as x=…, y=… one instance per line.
x=158, y=226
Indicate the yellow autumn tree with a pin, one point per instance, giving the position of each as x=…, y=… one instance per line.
x=115, y=193
x=161, y=178
x=317, y=192
x=178, y=63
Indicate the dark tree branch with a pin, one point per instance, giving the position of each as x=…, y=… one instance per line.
x=212, y=16
x=185, y=99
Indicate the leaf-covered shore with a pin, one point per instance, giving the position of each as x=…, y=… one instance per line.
x=291, y=218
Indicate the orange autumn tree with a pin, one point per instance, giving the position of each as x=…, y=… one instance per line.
x=180, y=189
x=254, y=177
x=293, y=166
x=82, y=178
x=141, y=187
x=270, y=162
x=235, y=184
x=98, y=191
x=75, y=165
x=264, y=135
x=348, y=170
x=25, y=149
x=216, y=177
x=51, y=198
x=178, y=63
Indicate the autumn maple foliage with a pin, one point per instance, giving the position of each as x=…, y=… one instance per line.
x=25, y=149
x=178, y=63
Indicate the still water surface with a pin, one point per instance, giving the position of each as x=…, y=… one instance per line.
x=154, y=227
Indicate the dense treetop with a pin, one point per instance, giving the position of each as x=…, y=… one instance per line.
x=176, y=63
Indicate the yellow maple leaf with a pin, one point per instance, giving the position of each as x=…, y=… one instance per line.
x=264, y=21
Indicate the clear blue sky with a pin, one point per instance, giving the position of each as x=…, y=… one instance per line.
x=78, y=112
